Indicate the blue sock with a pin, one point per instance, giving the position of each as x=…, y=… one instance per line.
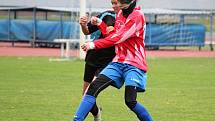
x=142, y=113
x=87, y=103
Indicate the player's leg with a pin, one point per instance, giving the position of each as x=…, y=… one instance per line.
x=111, y=75
x=137, y=108
x=135, y=80
x=96, y=111
x=89, y=75
x=89, y=100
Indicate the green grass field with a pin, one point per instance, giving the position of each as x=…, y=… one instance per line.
x=35, y=89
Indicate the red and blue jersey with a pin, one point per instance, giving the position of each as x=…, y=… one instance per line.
x=128, y=39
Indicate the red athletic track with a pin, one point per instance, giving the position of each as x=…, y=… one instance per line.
x=22, y=50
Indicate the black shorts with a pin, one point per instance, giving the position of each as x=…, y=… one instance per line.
x=91, y=71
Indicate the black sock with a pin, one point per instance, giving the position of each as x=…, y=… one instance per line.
x=94, y=110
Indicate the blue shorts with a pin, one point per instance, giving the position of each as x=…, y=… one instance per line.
x=121, y=73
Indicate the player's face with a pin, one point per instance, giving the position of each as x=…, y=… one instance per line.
x=115, y=5
x=124, y=5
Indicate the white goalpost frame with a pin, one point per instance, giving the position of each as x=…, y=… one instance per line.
x=82, y=36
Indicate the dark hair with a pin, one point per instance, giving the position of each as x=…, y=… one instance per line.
x=125, y=1
x=109, y=20
x=129, y=10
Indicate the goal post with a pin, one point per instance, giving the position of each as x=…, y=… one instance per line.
x=82, y=36
x=175, y=30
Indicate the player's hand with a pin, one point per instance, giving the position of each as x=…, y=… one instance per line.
x=83, y=20
x=87, y=46
x=110, y=29
x=95, y=20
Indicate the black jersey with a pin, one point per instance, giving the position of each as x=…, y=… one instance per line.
x=101, y=57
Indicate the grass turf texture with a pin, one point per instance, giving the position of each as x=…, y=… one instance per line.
x=35, y=89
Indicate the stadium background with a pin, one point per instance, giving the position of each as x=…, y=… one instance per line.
x=35, y=86
x=168, y=23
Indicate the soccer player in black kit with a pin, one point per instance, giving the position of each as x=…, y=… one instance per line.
x=96, y=60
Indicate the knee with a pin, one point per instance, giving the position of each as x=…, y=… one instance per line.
x=92, y=90
x=131, y=104
x=100, y=83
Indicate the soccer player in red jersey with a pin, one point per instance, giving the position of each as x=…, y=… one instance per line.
x=128, y=66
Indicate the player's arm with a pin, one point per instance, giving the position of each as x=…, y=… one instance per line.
x=105, y=30
x=128, y=30
x=125, y=32
x=119, y=36
x=87, y=27
x=83, y=22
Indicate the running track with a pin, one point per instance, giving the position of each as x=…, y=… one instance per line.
x=23, y=50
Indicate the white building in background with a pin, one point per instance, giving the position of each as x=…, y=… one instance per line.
x=169, y=4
